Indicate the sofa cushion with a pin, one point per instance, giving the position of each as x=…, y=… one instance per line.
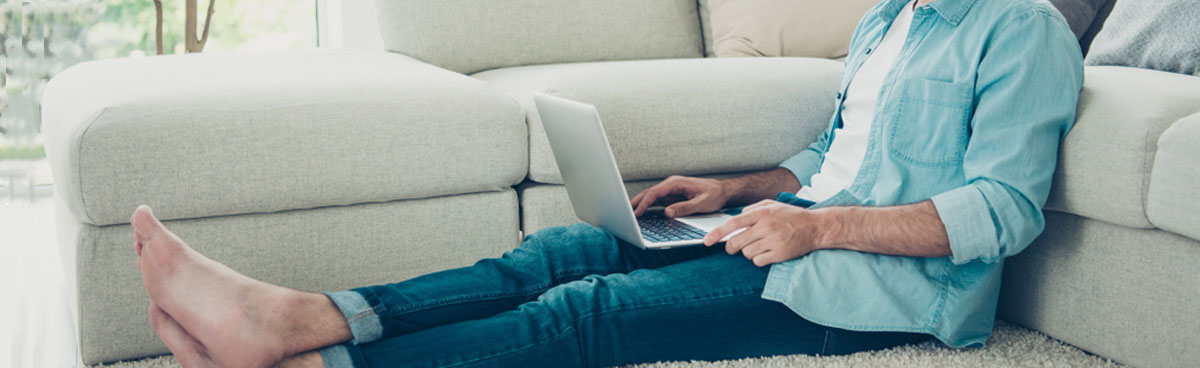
x=468, y=36
x=1105, y=161
x=210, y=135
x=1174, y=200
x=809, y=28
x=687, y=116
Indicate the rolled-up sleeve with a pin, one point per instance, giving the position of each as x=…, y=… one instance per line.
x=1026, y=94
x=806, y=163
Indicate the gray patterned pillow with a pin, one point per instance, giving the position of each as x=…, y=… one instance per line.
x=1151, y=34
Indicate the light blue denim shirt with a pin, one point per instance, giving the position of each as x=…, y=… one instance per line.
x=970, y=116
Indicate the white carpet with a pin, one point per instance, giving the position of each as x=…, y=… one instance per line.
x=1010, y=346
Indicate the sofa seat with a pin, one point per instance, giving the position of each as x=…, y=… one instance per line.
x=1118, y=292
x=684, y=116
x=198, y=136
x=1106, y=161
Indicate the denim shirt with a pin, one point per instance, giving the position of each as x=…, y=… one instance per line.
x=971, y=116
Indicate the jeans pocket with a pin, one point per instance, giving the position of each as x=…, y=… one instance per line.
x=929, y=128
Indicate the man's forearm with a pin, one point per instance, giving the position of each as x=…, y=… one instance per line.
x=755, y=187
x=910, y=230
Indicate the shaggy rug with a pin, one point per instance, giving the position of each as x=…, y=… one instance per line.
x=1010, y=346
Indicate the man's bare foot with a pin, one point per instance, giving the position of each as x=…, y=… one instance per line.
x=310, y=359
x=189, y=352
x=239, y=321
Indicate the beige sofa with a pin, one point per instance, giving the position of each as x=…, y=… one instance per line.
x=328, y=169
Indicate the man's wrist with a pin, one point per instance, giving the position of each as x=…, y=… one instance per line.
x=831, y=225
x=729, y=192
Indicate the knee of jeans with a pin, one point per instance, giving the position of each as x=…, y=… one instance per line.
x=587, y=297
x=557, y=238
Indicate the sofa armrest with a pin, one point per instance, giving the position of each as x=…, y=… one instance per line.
x=1173, y=203
x=210, y=135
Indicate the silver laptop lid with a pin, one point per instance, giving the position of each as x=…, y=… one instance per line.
x=588, y=168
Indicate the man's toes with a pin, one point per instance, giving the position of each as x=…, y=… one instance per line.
x=146, y=227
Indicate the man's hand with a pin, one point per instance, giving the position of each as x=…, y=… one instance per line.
x=775, y=232
x=684, y=196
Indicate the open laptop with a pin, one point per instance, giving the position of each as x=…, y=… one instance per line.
x=594, y=184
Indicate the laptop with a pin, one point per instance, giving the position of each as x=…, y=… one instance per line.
x=594, y=184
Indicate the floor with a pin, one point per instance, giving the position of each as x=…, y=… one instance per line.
x=36, y=329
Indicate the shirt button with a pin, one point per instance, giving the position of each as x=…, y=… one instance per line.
x=869, y=50
x=839, y=96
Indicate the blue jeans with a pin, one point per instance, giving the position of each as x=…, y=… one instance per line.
x=578, y=297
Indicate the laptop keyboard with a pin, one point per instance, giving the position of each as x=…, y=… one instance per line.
x=658, y=229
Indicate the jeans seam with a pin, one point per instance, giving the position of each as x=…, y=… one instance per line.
x=361, y=316
x=827, y=342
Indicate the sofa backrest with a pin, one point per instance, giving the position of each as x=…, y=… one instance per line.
x=469, y=36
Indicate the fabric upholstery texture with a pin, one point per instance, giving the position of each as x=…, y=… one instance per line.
x=324, y=249
x=1122, y=293
x=1161, y=35
x=1106, y=159
x=469, y=36
x=807, y=28
x=684, y=116
x=196, y=136
x=1173, y=202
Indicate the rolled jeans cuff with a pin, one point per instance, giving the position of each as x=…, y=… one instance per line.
x=364, y=323
x=336, y=356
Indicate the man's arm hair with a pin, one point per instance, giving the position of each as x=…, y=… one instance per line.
x=758, y=186
x=910, y=230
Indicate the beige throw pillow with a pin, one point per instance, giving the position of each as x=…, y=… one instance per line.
x=809, y=28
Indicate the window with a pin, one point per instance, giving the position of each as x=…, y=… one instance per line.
x=43, y=37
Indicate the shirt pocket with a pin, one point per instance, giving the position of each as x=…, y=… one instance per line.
x=930, y=125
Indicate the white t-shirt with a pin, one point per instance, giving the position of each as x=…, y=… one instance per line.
x=849, y=145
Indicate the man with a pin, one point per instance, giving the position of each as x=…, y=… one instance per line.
x=934, y=168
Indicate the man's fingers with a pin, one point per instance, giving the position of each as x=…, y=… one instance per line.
x=686, y=207
x=731, y=225
x=647, y=200
x=757, y=205
x=767, y=258
x=655, y=193
x=755, y=247
x=739, y=242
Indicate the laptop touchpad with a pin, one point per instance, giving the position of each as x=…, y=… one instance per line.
x=705, y=222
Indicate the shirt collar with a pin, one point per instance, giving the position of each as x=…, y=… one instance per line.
x=952, y=11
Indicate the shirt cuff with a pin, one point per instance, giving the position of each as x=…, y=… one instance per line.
x=803, y=165
x=969, y=225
